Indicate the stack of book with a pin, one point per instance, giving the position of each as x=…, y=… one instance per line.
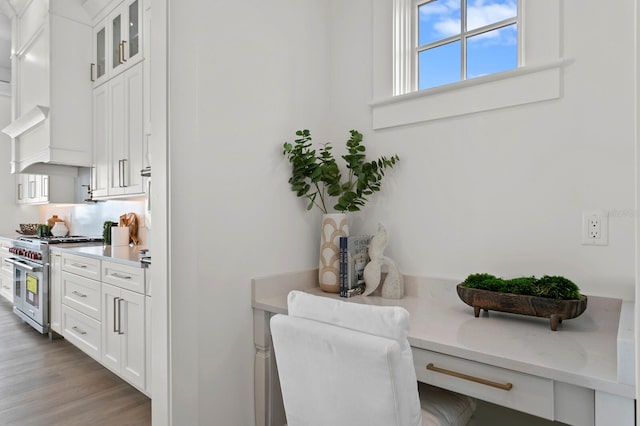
x=354, y=256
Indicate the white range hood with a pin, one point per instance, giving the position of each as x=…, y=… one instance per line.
x=27, y=122
x=51, y=132
x=35, y=152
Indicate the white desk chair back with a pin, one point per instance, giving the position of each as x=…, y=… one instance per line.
x=349, y=364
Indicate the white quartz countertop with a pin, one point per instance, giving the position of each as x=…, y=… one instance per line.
x=127, y=255
x=581, y=352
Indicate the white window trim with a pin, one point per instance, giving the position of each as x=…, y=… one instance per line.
x=395, y=104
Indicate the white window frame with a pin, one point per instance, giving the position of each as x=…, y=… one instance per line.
x=395, y=100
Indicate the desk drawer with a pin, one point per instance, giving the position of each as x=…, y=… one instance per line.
x=530, y=394
x=87, y=267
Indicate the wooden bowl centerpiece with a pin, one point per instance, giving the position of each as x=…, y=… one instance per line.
x=552, y=297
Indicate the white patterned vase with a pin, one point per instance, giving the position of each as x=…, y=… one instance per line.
x=334, y=226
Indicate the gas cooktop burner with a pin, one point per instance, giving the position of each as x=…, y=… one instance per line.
x=60, y=240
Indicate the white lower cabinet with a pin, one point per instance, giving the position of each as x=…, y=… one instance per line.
x=55, y=298
x=123, y=331
x=148, y=342
x=107, y=321
x=6, y=286
x=79, y=301
x=6, y=272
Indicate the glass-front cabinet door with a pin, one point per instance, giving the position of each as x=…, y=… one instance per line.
x=133, y=29
x=125, y=25
x=117, y=42
x=99, y=64
x=117, y=56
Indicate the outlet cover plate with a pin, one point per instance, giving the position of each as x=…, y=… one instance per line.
x=595, y=228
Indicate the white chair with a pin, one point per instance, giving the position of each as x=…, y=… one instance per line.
x=348, y=364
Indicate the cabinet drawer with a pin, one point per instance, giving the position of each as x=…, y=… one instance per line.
x=123, y=276
x=82, y=331
x=530, y=394
x=84, y=266
x=81, y=294
x=5, y=266
x=6, y=286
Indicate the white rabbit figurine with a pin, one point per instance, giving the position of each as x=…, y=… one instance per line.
x=393, y=286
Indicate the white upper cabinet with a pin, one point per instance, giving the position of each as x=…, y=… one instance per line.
x=100, y=172
x=44, y=189
x=118, y=135
x=117, y=41
x=119, y=101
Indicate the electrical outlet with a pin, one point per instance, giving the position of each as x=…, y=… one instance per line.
x=595, y=228
x=594, y=225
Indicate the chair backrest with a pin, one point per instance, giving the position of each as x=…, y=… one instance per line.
x=343, y=363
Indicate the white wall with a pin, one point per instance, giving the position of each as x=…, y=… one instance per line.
x=498, y=192
x=12, y=214
x=503, y=191
x=243, y=77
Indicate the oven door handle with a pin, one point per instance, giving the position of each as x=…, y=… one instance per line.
x=21, y=265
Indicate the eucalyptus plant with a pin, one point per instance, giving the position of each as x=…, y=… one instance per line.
x=316, y=176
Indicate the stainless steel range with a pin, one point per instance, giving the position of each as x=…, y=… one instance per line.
x=30, y=262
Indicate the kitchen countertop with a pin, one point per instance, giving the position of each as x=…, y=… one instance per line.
x=126, y=255
x=582, y=352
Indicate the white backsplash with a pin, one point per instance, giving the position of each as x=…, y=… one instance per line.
x=88, y=219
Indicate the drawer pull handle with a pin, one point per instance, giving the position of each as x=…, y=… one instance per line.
x=77, y=293
x=124, y=277
x=78, y=265
x=78, y=330
x=503, y=386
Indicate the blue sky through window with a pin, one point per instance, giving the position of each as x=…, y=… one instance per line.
x=430, y=63
x=487, y=53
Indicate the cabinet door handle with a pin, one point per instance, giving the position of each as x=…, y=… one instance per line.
x=122, y=173
x=120, y=316
x=503, y=386
x=78, y=265
x=148, y=196
x=123, y=50
x=118, y=275
x=77, y=293
x=120, y=53
x=115, y=313
x=91, y=68
x=78, y=330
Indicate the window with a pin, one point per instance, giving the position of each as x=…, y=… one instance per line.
x=463, y=39
x=536, y=75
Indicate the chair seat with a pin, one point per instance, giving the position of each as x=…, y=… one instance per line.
x=441, y=407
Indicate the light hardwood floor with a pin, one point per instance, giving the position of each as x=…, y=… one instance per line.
x=50, y=382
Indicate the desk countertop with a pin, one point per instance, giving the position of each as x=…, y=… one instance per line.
x=582, y=352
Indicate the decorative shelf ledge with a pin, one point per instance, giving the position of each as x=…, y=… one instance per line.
x=27, y=121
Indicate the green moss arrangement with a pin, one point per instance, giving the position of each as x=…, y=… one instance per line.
x=553, y=287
